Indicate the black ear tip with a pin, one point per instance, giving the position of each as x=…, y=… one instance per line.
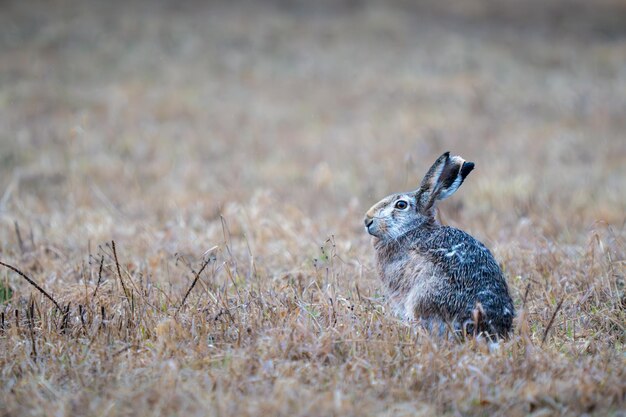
x=466, y=168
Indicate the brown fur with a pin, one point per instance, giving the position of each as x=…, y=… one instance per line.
x=433, y=272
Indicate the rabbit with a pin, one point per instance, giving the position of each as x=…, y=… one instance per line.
x=435, y=274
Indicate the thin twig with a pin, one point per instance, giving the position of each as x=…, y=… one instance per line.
x=66, y=316
x=33, y=283
x=99, y=278
x=193, y=284
x=19, y=236
x=526, y=295
x=31, y=324
x=226, y=233
x=119, y=272
x=119, y=352
x=545, y=334
x=81, y=314
x=103, y=315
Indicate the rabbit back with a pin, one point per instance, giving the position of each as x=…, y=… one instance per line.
x=473, y=277
x=444, y=273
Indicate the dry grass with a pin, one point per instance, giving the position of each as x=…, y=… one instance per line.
x=268, y=131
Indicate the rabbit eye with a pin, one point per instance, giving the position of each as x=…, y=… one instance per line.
x=401, y=205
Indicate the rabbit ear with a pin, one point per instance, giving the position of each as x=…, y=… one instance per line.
x=453, y=175
x=443, y=178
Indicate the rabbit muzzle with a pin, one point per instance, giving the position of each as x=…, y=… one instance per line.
x=375, y=227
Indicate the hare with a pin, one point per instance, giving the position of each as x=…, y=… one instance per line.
x=437, y=274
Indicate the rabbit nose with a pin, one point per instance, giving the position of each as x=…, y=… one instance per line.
x=368, y=221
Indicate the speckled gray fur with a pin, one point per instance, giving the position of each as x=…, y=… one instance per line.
x=436, y=273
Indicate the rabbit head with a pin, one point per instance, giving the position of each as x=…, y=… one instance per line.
x=397, y=214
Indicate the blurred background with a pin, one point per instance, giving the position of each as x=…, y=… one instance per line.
x=124, y=118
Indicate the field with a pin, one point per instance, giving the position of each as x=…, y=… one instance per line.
x=188, y=183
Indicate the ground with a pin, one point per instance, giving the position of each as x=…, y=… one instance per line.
x=230, y=152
